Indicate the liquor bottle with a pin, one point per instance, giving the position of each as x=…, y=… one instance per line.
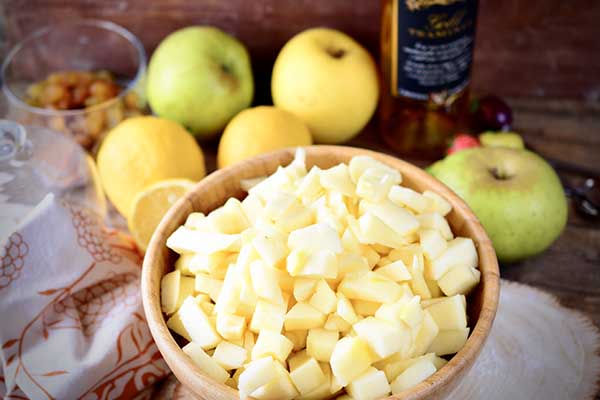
x=426, y=54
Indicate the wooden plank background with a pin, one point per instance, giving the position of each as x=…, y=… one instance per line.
x=525, y=48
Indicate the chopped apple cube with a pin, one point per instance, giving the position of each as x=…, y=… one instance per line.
x=174, y=323
x=230, y=218
x=374, y=184
x=338, y=178
x=185, y=240
x=459, y=280
x=229, y=356
x=449, y=341
x=230, y=326
x=208, y=285
x=280, y=388
x=370, y=287
x=433, y=243
x=345, y=309
x=365, y=308
x=439, y=204
x=298, y=338
x=267, y=316
x=395, y=270
x=256, y=374
x=196, y=220
x=371, y=255
x=272, y=249
x=449, y=313
x=384, y=338
x=374, y=231
x=197, y=324
x=265, y=282
x=320, y=343
x=370, y=385
x=398, y=366
x=406, y=197
x=310, y=189
x=351, y=357
x=323, y=299
x=418, y=284
x=359, y=164
x=350, y=242
x=336, y=323
x=397, y=218
x=303, y=316
x=272, y=344
x=183, y=264
x=320, y=264
x=306, y=373
x=253, y=207
x=315, y=238
x=435, y=221
x=412, y=376
x=460, y=251
x=304, y=288
x=352, y=263
x=206, y=364
x=426, y=334
x=433, y=286
x=169, y=291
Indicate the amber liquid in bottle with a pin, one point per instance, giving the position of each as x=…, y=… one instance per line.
x=426, y=52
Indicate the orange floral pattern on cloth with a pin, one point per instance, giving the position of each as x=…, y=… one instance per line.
x=73, y=325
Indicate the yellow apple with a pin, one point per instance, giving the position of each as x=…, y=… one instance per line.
x=328, y=80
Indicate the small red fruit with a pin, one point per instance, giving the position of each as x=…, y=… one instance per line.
x=462, y=141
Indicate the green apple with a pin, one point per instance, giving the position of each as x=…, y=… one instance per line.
x=516, y=195
x=502, y=139
x=200, y=77
x=329, y=81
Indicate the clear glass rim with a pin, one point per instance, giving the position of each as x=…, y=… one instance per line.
x=106, y=25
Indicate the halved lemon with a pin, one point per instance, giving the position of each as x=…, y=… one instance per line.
x=151, y=204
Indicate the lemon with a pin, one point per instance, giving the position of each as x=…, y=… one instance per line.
x=259, y=130
x=151, y=204
x=143, y=150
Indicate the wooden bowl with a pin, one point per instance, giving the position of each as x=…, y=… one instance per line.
x=215, y=189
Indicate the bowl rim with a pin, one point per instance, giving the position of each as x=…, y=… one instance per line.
x=192, y=377
x=98, y=23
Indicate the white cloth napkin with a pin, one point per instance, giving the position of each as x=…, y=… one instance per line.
x=71, y=319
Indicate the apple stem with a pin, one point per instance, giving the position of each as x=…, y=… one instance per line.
x=336, y=53
x=500, y=175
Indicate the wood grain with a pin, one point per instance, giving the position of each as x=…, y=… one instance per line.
x=213, y=191
x=538, y=49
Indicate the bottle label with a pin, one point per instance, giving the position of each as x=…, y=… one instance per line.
x=432, y=47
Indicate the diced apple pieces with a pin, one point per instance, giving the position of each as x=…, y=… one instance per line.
x=396, y=367
x=174, y=323
x=435, y=221
x=229, y=356
x=320, y=264
x=336, y=323
x=185, y=240
x=303, y=316
x=395, y=217
x=345, y=309
x=449, y=341
x=267, y=316
x=383, y=337
x=324, y=298
x=320, y=343
x=337, y=178
x=196, y=220
x=230, y=326
x=459, y=280
x=230, y=218
x=365, y=308
x=306, y=373
x=352, y=263
x=370, y=385
x=351, y=357
x=304, y=288
x=272, y=344
x=449, y=313
x=272, y=249
x=460, y=251
x=197, y=324
x=432, y=242
x=280, y=388
x=412, y=376
x=374, y=184
x=256, y=374
x=208, y=285
x=265, y=282
x=169, y=291
x=406, y=197
x=206, y=364
x=370, y=287
x=439, y=204
x=315, y=238
x=395, y=270
x=298, y=338
x=426, y=334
